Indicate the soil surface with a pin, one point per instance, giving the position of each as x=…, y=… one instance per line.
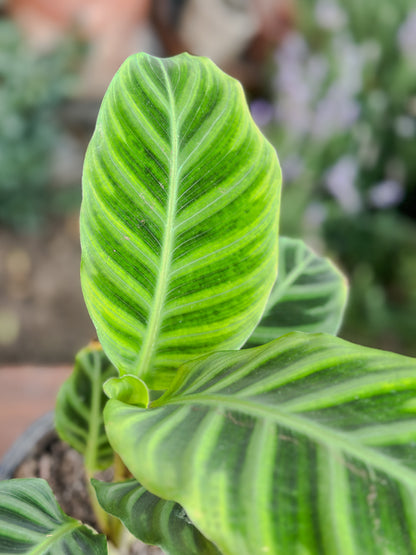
x=43, y=318
x=63, y=469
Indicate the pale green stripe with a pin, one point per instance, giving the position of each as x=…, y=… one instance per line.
x=408, y=496
x=315, y=431
x=256, y=486
x=355, y=388
x=399, y=432
x=335, y=511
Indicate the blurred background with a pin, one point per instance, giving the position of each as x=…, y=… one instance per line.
x=332, y=83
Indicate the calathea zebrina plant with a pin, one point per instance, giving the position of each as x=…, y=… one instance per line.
x=235, y=420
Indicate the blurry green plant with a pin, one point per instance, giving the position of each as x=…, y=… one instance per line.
x=32, y=86
x=343, y=119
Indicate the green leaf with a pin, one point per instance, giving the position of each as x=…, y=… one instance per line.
x=151, y=519
x=304, y=445
x=309, y=295
x=32, y=522
x=80, y=404
x=179, y=220
x=129, y=389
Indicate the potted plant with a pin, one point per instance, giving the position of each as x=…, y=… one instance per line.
x=235, y=421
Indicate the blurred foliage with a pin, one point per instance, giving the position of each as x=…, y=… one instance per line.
x=32, y=86
x=341, y=111
x=342, y=115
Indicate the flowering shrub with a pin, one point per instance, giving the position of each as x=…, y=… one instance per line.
x=343, y=118
x=32, y=86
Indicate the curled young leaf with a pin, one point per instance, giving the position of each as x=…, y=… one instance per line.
x=129, y=389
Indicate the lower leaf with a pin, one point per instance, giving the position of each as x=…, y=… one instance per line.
x=79, y=407
x=309, y=295
x=151, y=519
x=304, y=445
x=32, y=522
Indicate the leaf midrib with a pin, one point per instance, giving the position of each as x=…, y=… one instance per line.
x=144, y=360
x=92, y=441
x=323, y=435
x=52, y=538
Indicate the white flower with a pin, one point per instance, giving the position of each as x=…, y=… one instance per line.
x=405, y=127
x=335, y=113
x=292, y=167
x=315, y=215
x=406, y=36
x=350, y=60
x=340, y=182
x=329, y=15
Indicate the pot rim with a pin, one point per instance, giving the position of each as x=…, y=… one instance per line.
x=26, y=443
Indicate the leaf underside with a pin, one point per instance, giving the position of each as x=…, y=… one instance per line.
x=179, y=220
x=32, y=522
x=151, y=519
x=80, y=404
x=305, y=445
x=309, y=295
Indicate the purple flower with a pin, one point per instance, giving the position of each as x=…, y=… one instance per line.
x=386, y=194
x=262, y=111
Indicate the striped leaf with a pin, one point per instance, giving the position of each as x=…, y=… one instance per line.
x=179, y=220
x=80, y=404
x=32, y=522
x=309, y=295
x=151, y=519
x=304, y=445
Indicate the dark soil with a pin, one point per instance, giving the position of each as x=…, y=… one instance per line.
x=62, y=467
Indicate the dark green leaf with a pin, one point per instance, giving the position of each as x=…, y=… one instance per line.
x=80, y=404
x=31, y=522
x=309, y=295
x=152, y=519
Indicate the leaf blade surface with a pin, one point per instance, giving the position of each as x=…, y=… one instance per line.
x=32, y=522
x=79, y=408
x=152, y=520
x=309, y=295
x=288, y=447
x=179, y=219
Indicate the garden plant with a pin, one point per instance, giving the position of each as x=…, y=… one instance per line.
x=235, y=420
x=341, y=113
x=32, y=88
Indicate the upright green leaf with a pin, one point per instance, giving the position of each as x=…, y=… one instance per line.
x=151, y=519
x=179, y=220
x=80, y=404
x=309, y=295
x=304, y=445
x=32, y=522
